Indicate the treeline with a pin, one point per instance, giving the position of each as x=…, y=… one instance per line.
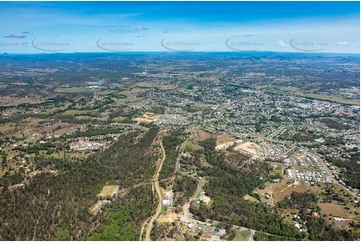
x=184, y=187
x=54, y=207
x=300, y=136
x=124, y=111
x=48, y=147
x=170, y=142
x=299, y=201
x=334, y=124
x=351, y=172
x=261, y=236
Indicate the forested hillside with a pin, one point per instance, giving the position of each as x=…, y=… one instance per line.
x=56, y=206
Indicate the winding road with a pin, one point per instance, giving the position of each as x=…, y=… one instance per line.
x=159, y=194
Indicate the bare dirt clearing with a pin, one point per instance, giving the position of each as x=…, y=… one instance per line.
x=108, y=191
x=248, y=147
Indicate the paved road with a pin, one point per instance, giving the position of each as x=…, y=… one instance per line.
x=330, y=174
x=159, y=194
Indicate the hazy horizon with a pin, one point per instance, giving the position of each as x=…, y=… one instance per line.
x=69, y=27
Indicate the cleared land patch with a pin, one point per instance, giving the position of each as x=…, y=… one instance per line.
x=276, y=192
x=147, y=118
x=168, y=218
x=108, y=191
x=334, y=209
x=249, y=147
x=250, y=198
x=224, y=141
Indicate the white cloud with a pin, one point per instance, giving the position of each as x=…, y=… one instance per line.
x=343, y=43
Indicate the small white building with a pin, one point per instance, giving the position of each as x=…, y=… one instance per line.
x=297, y=225
x=166, y=202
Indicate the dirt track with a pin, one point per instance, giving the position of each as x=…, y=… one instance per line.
x=159, y=194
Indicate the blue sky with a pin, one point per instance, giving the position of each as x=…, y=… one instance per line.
x=37, y=27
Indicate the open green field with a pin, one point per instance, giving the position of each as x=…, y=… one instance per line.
x=6, y=127
x=337, y=99
x=107, y=191
x=298, y=92
x=77, y=112
x=74, y=90
x=242, y=235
